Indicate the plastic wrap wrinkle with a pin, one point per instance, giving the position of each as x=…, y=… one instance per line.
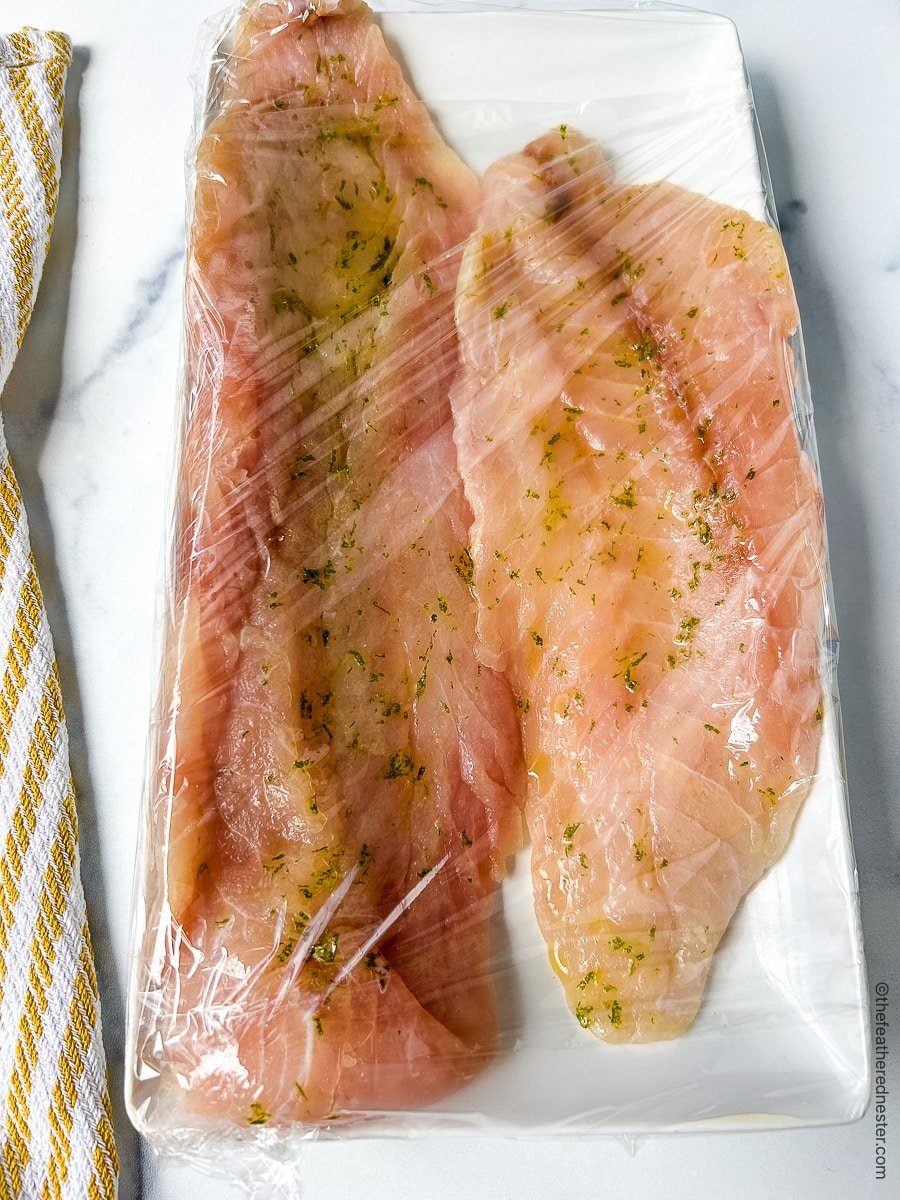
x=495, y=499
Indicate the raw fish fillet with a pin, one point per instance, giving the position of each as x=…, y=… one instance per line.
x=339, y=776
x=647, y=544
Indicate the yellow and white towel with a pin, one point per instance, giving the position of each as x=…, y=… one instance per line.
x=56, y=1138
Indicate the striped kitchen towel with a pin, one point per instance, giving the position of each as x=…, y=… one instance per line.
x=56, y=1138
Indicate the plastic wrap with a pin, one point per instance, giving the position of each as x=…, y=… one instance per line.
x=495, y=779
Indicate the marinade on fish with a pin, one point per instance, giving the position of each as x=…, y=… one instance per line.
x=339, y=777
x=648, y=560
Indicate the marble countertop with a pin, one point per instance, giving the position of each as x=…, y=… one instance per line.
x=89, y=413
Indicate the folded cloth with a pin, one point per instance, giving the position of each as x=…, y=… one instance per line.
x=56, y=1138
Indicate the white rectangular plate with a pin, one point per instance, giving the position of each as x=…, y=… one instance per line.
x=782, y=1035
